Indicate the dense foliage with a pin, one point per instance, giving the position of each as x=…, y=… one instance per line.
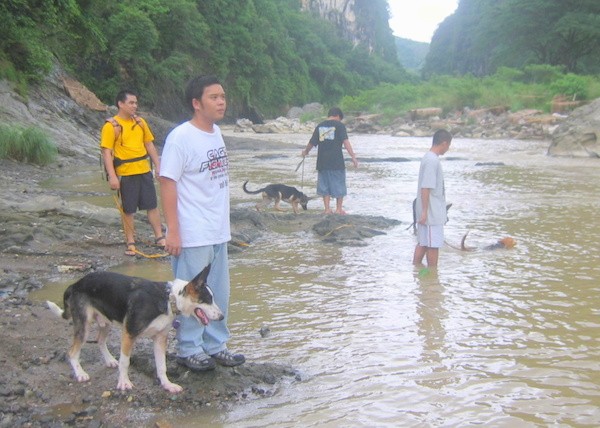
x=483, y=35
x=533, y=87
x=268, y=53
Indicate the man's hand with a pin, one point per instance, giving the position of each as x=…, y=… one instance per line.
x=114, y=182
x=173, y=244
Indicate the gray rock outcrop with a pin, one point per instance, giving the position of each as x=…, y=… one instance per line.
x=579, y=134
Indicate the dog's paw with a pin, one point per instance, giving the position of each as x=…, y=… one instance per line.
x=82, y=376
x=112, y=363
x=124, y=384
x=172, y=387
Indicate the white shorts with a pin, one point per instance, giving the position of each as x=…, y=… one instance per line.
x=430, y=236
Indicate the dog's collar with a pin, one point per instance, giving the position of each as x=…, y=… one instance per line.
x=171, y=298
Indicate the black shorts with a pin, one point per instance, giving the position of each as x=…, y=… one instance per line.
x=138, y=192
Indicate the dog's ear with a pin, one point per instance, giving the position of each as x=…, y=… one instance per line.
x=201, y=277
x=196, y=283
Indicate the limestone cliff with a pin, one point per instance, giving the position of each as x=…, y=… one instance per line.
x=340, y=12
x=362, y=22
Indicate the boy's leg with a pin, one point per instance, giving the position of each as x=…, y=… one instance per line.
x=186, y=266
x=419, y=255
x=129, y=228
x=216, y=333
x=432, y=257
x=154, y=220
x=326, y=204
x=192, y=336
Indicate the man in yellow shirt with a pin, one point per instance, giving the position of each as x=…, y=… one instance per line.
x=127, y=147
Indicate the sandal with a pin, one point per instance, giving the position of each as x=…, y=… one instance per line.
x=228, y=359
x=130, y=249
x=157, y=240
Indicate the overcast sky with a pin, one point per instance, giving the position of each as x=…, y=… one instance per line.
x=418, y=19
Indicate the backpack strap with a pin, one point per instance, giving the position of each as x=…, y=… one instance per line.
x=116, y=125
x=118, y=128
x=138, y=121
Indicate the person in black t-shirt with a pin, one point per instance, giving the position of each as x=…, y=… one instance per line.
x=329, y=136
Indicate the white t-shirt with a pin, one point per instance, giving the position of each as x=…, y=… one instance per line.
x=197, y=161
x=431, y=177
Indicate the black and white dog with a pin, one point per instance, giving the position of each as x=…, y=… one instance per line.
x=278, y=193
x=414, y=215
x=143, y=307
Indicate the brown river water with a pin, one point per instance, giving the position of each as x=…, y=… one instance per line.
x=506, y=338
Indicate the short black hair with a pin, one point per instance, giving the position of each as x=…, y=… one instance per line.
x=335, y=111
x=440, y=136
x=122, y=95
x=195, y=88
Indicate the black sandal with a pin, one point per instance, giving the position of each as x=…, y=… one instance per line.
x=157, y=240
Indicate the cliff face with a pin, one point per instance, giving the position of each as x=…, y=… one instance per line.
x=342, y=13
x=67, y=112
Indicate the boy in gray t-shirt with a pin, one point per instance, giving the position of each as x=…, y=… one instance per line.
x=430, y=207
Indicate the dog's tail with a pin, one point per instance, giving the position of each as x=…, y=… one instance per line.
x=252, y=192
x=56, y=310
x=463, y=247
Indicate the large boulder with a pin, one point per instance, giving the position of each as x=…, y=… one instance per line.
x=579, y=134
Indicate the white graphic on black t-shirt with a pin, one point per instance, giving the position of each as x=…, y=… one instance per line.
x=326, y=133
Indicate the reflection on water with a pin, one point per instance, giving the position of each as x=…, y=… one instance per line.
x=496, y=338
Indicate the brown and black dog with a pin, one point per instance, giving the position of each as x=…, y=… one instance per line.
x=278, y=193
x=142, y=307
x=504, y=243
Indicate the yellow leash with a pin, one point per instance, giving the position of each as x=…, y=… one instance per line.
x=337, y=228
x=126, y=227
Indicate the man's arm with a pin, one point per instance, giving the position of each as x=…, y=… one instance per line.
x=424, y=204
x=307, y=149
x=348, y=148
x=168, y=194
x=153, y=156
x=107, y=158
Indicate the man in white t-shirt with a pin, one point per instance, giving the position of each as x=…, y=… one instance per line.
x=194, y=185
x=430, y=207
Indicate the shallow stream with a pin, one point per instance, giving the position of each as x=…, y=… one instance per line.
x=495, y=338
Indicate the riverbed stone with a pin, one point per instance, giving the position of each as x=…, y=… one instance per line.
x=579, y=134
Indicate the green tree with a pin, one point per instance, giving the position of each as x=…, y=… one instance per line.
x=482, y=36
x=27, y=29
